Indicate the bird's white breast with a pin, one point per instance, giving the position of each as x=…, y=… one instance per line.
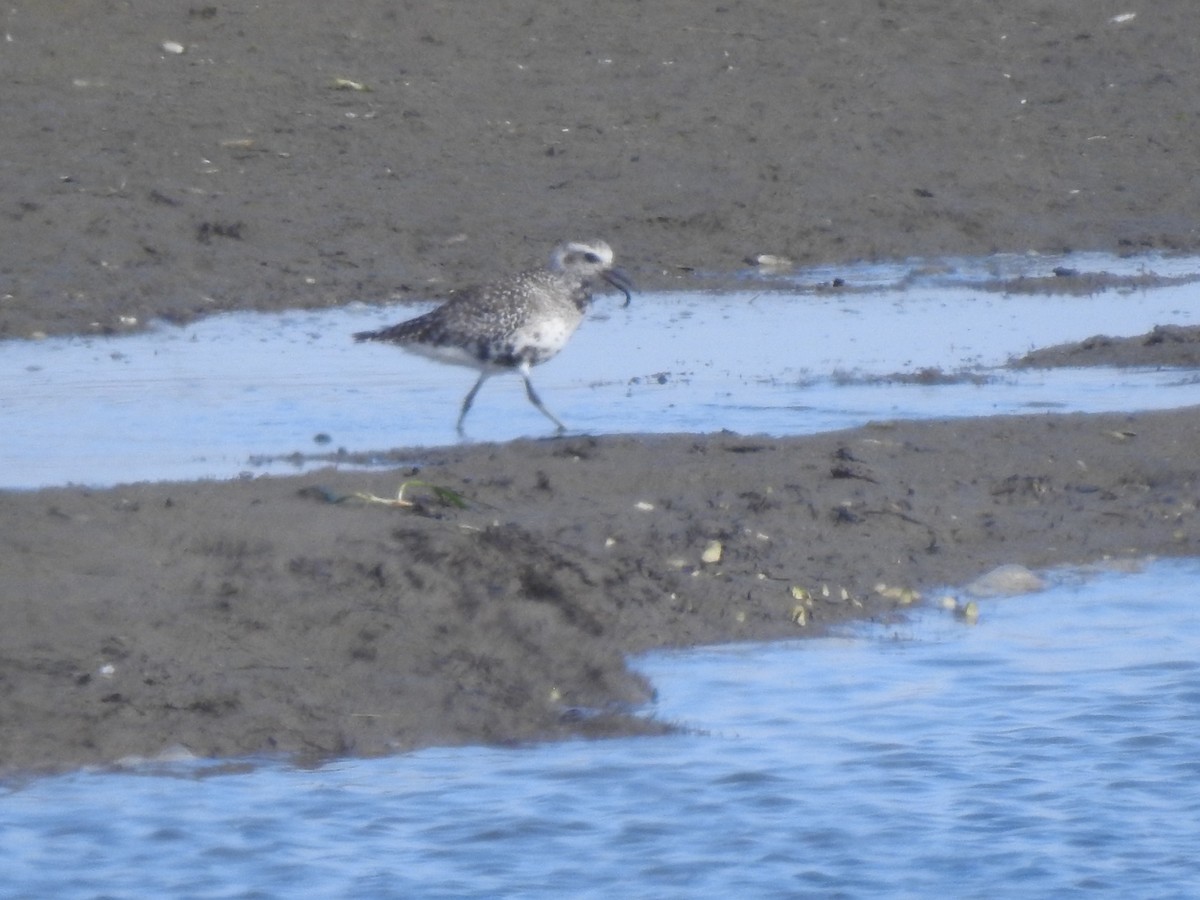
x=544, y=337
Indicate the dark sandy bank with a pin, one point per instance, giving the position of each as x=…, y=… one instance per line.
x=284, y=615
x=315, y=153
x=309, y=154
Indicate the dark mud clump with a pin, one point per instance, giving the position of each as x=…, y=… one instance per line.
x=1075, y=283
x=1167, y=346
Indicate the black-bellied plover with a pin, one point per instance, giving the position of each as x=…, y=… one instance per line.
x=515, y=323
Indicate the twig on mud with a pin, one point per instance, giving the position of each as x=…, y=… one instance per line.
x=443, y=494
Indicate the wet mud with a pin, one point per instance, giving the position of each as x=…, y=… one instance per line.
x=369, y=151
x=1167, y=346
x=500, y=601
x=174, y=160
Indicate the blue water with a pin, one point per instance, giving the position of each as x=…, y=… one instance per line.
x=1051, y=750
x=244, y=393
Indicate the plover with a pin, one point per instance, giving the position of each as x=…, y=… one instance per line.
x=515, y=323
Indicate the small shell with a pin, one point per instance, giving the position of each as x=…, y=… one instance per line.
x=902, y=595
x=172, y=47
x=712, y=553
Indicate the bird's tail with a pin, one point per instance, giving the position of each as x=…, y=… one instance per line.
x=403, y=333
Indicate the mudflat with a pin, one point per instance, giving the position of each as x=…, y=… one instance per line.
x=166, y=161
x=370, y=150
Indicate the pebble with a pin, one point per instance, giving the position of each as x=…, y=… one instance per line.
x=1006, y=581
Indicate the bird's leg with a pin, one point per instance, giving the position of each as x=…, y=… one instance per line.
x=537, y=401
x=469, y=399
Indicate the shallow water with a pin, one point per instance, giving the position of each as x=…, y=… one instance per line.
x=1049, y=750
x=1052, y=749
x=234, y=394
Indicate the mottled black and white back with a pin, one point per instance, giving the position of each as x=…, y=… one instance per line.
x=515, y=323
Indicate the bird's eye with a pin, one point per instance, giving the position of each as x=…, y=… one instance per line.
x=591, y=257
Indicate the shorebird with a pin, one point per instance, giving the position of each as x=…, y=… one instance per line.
x=514, y=323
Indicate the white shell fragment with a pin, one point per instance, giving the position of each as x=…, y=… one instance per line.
x=172, y=47
x=712, y=553
x=770, y=261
